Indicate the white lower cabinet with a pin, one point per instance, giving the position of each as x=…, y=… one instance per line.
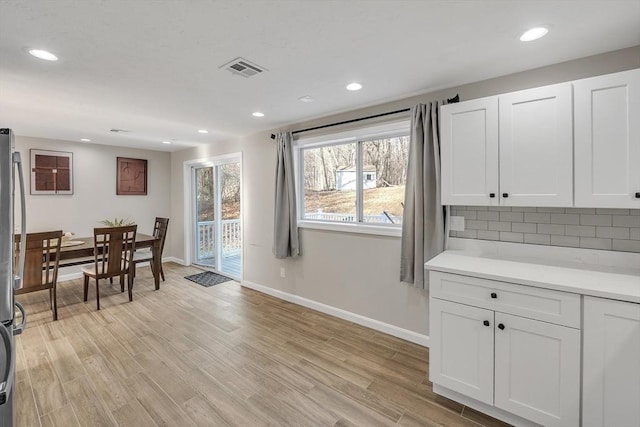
x=462, y=339
x=523, y=366
x=611, y=363
x=537, y=370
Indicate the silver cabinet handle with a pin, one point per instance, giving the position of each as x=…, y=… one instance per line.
x=17, y=330
x=17, y=283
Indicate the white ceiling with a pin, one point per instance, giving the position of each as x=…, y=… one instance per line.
x=152, y=67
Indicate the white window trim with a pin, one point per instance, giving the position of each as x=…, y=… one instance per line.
x=376, y=131
x=352, y=227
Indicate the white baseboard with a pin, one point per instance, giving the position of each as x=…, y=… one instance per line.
x=377, y=325
x=70, y=276
x=77, y=274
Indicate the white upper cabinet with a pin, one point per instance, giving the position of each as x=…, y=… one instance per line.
x=470, y=153
x=607, y=141
x=526, y=160
x=570, y=144
x=536, y=147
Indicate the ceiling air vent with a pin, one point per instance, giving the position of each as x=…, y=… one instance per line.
x=118, y=130
x=242, y=67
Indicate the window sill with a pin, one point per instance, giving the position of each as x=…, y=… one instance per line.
x=352, y=228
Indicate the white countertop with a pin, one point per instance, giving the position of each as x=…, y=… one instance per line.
x=615, y=282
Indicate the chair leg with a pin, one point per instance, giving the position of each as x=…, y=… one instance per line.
x=111, y=280
x=161, y=272
x=122, y=283
x=54, y=302
x=130, y=286
x=97, y=294
x=86, y=287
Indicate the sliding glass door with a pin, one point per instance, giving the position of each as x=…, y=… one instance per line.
x=218, y=233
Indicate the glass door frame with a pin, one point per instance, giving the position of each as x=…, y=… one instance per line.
x=190, y=206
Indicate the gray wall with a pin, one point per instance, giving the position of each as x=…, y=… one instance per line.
x=357, y=273
x=94, y=180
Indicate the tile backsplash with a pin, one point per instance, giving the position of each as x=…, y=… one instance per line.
x=608, y=229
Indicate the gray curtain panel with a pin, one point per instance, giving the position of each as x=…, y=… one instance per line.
x=285, y=229
x=423, y=225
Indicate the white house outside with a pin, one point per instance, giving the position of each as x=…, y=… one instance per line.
x=346, y=178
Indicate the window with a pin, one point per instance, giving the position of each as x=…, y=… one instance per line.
x=356, y=177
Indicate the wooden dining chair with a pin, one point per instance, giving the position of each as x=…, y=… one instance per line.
x=159, y=232
x=113, y=257
x=41, y=264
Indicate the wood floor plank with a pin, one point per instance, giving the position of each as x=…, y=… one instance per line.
x=26, y=412
x=88, y=407
x=158, y=404
x=61, y=417
x=47, y=387
x=347, y=408
x=133, y=414
x=109, y=386
x=67, y=364
x=481, y=418
x=203, y=413
x=166, y=377
x=348, y=373
x=225, y=355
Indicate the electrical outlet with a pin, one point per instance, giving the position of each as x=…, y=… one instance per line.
x=282, y=272
x=457, y=223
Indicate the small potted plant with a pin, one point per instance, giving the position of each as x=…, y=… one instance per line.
x=117, y=222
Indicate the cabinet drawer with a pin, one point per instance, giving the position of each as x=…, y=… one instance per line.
x=547, y=305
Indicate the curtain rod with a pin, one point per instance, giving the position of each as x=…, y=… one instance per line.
x=449, y=101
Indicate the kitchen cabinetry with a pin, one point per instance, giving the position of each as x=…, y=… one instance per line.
x=611, y=363
x=520, y=148
x=607, y=141
x=470, y=153
x=536, y=147
x=494, y=342
x=526, y=160
x=462, y=356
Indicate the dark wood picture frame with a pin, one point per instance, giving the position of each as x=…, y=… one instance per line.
x=51, y=172
x=131, y=177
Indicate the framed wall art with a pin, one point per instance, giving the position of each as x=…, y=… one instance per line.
x=51, y=172
x=131, y=178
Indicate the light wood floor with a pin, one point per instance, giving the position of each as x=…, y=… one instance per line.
x=188, y=355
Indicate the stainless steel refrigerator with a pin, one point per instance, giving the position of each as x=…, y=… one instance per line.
x=10, y=276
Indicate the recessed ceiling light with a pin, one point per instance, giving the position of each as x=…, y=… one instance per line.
x=203, y=131
x=43, y=54
x=166, y=142
x=534, y=34
x=306, y=98
x=354, y=86
x=85, y=140
x=258, y=114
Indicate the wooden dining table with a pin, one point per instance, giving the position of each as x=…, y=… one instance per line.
x=78, y=254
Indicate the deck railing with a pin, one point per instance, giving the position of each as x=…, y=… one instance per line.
x=383, y=218
x=231, y=238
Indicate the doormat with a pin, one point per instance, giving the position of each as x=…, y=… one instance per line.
x=208, y=278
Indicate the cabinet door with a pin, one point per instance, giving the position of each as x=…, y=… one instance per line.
x=461, y=349
x=536, y=147
x=611, y=371
x=469, y=152
x=607, y=140
x=537, y=370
